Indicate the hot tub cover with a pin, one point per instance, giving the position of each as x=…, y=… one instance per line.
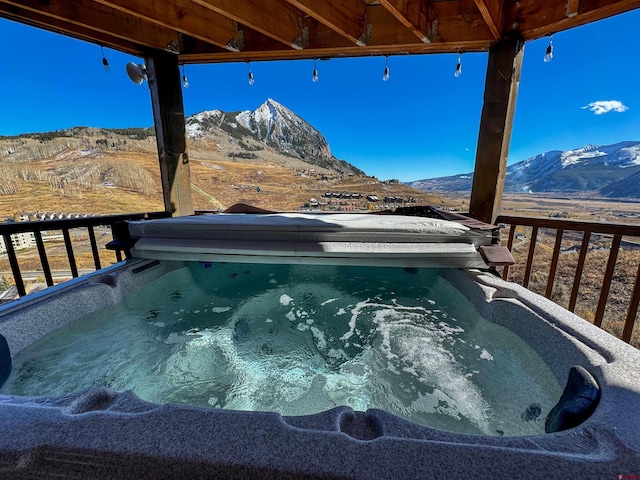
x=355, y=239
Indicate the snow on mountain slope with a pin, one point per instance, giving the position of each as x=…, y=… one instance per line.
x=274, y=125
x=589, y=168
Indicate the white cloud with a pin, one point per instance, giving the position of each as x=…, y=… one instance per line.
x=606, y=106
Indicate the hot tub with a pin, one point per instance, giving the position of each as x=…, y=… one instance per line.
x=112, y=433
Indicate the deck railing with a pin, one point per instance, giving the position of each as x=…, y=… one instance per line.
x=588, y=230
x=65, y=226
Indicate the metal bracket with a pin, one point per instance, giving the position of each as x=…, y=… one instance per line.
x=365, y=38
x=236, y=44
x=573, y=8
x=433, y=33
x=172, y=47
x=302, y=41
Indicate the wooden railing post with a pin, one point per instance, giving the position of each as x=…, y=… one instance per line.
x=616, y=230
x=554, y=264
x=608, y=276
x=576, y=281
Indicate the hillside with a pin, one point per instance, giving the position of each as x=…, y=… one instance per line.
x=269, y=157
x=596, y=170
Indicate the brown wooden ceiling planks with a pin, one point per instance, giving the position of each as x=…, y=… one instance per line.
x=459, y=23
x=185, y=17
x=281, y=21
x=493, y=13
x=412, y=14
x=35, y=19
x=387, y=29
x=345, y=17
x=90, y=15
x=538, y=19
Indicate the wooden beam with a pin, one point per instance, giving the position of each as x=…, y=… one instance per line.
x=168, y=115
x=345, y=17
x=538, y=19
x=500, y=93
x=412, y=14
x=492, y=12
x=186, y=17
x=89, y=15
x=336, y=52
x=37, y=20
x=282, y=22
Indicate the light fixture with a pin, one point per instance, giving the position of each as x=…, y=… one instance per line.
x=251, y=80
x=385, y=75
x=137, y=72
x=458, y=71
x=105, y=62
x=185, y=81
x=549, y=53
x=315, y=71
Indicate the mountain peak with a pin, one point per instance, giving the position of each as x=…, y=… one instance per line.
x=274, y=125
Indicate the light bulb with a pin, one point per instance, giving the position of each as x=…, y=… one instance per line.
x=549, y=53
x=385, y=75
x=185, y=81
x=251, y=80
x=315, y=75
x=105, y=62
x=458, y=71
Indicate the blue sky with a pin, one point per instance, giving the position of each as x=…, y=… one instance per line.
x=422, y=123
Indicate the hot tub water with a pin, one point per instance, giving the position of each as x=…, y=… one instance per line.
x=297, y=340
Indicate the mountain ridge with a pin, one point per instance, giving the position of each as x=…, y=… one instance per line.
x=270, y=133
x=601, y=170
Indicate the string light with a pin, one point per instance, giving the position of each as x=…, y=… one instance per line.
x=315, y=71
x=549, y=53
x=185, y=80
x=458, y=71
x=385, y=75
x=105, y=62
x=251, y=79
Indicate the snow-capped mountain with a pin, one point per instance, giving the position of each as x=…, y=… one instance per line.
x=592, y=168
x=270, y=125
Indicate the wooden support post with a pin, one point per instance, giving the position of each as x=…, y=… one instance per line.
x=500, y=93
x=168, y=115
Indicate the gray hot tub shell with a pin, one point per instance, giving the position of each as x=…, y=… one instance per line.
x=99, y=433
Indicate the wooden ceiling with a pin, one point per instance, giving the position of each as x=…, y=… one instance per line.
x=207, y=31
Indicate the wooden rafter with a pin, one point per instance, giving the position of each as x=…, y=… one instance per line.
x=492, y=12
x=105, y=20
x=335, y=52
x=209, y=31
x=282, y=22
x=35, y=19
x=538, y=19
x=412, y=14
x=345, y=17
x=186, y=17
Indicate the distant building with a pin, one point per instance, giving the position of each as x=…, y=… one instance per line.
x=19, y=241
